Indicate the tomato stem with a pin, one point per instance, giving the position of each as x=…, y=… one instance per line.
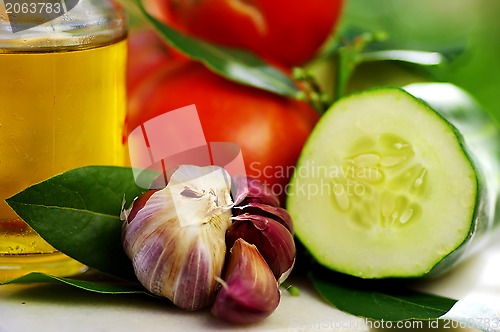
x=312, y=93
x=349, y=56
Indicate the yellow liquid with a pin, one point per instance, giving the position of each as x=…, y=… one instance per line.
x=58, y=111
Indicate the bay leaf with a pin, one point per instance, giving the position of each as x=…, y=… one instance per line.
x=392, y=300
x=78, y=213
x=95, y=284
x=379, y=299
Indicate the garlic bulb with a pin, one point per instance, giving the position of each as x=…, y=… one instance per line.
x=177, y=239
x=175, y=236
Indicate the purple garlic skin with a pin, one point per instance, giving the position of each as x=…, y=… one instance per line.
x=277, y=213
x=273, y=240
x=250, y=190
x=250, y=292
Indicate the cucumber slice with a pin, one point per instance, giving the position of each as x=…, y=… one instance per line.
x=385, y=187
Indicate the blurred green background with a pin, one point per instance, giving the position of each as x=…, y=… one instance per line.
x=442, y=25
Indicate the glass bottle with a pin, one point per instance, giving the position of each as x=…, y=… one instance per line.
x=62, y=106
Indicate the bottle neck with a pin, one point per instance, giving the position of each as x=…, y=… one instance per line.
x=89, y=24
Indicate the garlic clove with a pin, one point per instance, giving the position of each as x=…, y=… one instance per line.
x=136, y=206
x=175, y=236
x=249, y=190
x=277, y=213
x=274, y=241
x=250, y=292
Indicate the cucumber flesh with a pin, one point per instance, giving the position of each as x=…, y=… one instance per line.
x=481, y=139
x=384, y=187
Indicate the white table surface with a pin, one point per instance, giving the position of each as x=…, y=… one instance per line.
x=57, y=307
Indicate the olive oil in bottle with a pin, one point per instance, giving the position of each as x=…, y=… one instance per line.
x=62, y=106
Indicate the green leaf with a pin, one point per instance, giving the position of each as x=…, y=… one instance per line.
x=78, y=213
x=391, y=300
x=95, y=283
x=234, y=64
x=380, y=300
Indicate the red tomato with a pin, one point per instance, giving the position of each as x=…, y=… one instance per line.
x=287, y=31
x=269, y=129
x=146, y=53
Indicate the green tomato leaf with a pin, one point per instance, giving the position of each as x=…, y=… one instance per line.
x=234, y=64
x=96, y=283
x=391, y=300
x=78, y=213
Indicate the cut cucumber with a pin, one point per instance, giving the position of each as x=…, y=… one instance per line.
x=387, y=187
